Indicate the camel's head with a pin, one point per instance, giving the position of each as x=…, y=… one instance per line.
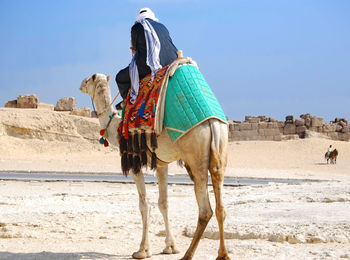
x=89, y=84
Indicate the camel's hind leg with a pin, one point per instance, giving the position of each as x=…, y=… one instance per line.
x=217, y=167
x=162, y=174
x=144, y=251
x=200, y=179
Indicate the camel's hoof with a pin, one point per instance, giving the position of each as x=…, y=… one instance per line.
x=225, y=257
x=141, y=254
x=170, y=250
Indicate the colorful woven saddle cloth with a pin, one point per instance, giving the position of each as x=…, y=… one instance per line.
x=189, y=101
x=141, y=114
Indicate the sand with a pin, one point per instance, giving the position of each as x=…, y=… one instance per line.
x=84, y=220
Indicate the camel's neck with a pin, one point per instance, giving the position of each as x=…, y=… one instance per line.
x=104, y=108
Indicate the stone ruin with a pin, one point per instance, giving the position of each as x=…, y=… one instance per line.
x=66, y=104
x=269, y=129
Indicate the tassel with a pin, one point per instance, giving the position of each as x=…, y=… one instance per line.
x=125, y=164
x=144, y=158
x=123, y=145
x=143, y=140
x=106, y=144
x=102, y=132
x=143, y=148
x=154, y=143
x=136, y=164
x=130, y=150
x=102, y=140
x=136, y=142
x=154, y=161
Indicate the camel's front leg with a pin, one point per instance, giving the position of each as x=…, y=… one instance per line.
x=162, y=174
x=144, y=250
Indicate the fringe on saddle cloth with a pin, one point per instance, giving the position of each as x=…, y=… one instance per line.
x=145, y=116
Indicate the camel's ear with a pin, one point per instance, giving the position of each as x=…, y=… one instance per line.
x=108, y=78
x=94, y=77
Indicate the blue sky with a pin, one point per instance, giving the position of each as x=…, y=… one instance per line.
x=260, y=57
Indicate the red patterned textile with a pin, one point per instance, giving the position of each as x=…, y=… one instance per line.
x=141, y=114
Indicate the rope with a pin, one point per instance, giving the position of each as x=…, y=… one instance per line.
x=100, y=114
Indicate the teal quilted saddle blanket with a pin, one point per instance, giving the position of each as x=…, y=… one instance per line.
x=189, y=101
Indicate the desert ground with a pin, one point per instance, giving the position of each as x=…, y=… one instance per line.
x=99, y=220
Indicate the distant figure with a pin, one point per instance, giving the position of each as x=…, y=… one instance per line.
x=331, y=155
x=329, y=150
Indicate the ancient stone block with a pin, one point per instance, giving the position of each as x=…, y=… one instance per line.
x=272, y=125
x=236, y=121
x=249, y=133
x=280, y=124
x=83, y=111
x=271, y=119
x=66, y=104
x=345, y=129
x=277, y=137
x=304, y=116
x=262, y=118
x=342, y=123
x=246, y=118
x=300, y=129
x=271, y=132
x=262, y=125
x=245, y=126
x=234, y=136
x=27, y=101
x=344, y=136
x=307, y=122
x=11, y=104
x=316, y=121
x=299, y=122
x=338, y=128
x=253, y=120
x=261, y=132
x=254, y=126
x=236, y=126
x=326, y=128
x=289, y=129
x=289, y=119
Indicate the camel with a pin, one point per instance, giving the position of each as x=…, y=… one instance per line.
x=201, y=149
x=332, y=156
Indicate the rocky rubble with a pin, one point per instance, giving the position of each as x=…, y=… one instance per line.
x=66, y=104
x=267, y=128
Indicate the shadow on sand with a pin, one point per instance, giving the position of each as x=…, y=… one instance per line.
x=321, y=163
x=59, y=256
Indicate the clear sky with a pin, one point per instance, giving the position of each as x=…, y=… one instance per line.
x=260, y=57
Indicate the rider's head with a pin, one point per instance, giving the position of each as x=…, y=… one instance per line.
x=144, y=13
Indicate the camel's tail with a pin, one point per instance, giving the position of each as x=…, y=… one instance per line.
x=218, y=148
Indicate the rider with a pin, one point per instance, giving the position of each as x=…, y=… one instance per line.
x=152, y=48
x=329, y=150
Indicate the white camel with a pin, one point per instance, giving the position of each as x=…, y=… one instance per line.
x=203, y=148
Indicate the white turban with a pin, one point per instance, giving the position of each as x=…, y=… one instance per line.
x=145, y=13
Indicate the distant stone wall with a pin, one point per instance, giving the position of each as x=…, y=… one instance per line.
x=269, y=129
x=66, y=104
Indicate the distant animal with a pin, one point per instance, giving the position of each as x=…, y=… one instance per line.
x=332, y=156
